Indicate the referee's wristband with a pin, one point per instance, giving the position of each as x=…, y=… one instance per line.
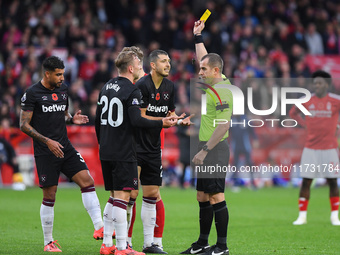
x=198, y=39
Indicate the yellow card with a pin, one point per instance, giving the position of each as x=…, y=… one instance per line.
x=205, y=15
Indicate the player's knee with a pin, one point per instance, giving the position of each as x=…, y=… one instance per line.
x=216, y=198
x=49, y=193
x=83, y=179
x=88, y=181
x=202, y=197
x=150, y=191
x=134, y=194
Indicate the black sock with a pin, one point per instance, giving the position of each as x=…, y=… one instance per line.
x=221, y=223
x=206, y=217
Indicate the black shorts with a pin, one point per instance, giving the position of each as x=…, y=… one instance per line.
x=120, y=175
x=151, y=168
x=217, y=159
x=49, y=166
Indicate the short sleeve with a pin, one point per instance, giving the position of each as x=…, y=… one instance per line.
x=28, y=101
x=224, y=110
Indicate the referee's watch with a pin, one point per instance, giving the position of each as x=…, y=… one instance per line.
x=205, y=148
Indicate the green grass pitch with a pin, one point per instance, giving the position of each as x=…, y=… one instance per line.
x=260, y=222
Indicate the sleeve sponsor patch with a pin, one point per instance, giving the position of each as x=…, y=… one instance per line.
x=222, y=107
x=23, y=98
x=135, y=101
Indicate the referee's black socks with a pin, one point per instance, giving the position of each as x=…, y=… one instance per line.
x=206, y=217
x=221, y=222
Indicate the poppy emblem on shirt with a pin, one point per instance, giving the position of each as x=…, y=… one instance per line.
x=158, y=96
x=166, y=96
x=54, y=97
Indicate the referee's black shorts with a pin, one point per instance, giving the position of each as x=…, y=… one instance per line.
x=211, y=175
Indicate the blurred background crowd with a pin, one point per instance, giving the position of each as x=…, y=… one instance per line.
x=256, y=38
x=260, y=39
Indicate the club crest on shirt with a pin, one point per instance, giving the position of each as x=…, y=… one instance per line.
x=166, y=95
x=63, y=95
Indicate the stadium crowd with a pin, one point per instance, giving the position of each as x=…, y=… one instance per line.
x=260, y=39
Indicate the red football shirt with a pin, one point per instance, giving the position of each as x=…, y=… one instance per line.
x=322, y=124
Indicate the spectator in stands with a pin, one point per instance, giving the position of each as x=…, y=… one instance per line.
x=330, y=40
x=71, y=68
x=101, y=76
x=238, y=31
x=87, y=70
x=314, y=40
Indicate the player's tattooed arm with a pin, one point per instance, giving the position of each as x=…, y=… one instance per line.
x=25, y=119
x=25, y=126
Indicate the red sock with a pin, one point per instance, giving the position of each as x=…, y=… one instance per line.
x=334, y=203
x=133, y=218
x=303, y=204
x=160, y=217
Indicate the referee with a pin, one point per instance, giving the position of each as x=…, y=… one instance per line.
x=213, y=151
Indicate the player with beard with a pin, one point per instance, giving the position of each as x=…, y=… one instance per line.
x=157, y=102
x=118, y=112
x=43, y=117
x=213, y=148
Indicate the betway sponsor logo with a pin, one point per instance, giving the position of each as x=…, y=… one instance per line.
x=152, y=108
x=53, y=108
